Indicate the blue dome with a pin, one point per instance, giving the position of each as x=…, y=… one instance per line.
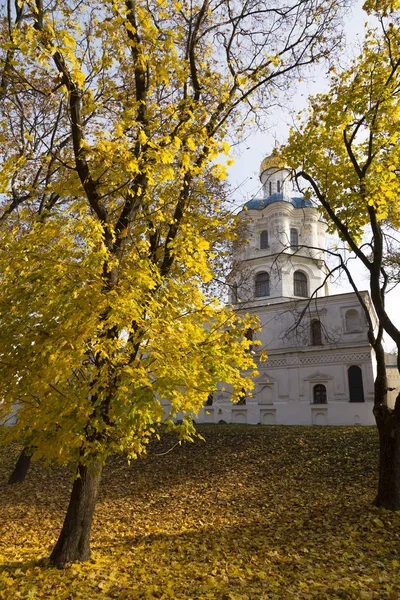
x=259, y=204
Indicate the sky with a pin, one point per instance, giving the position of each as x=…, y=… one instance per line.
x=243, y=176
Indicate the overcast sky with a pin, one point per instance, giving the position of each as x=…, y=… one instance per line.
x=244, y=174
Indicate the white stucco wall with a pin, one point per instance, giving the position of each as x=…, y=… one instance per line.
x=283, y=392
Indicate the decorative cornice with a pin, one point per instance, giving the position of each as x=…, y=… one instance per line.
x=294, y=360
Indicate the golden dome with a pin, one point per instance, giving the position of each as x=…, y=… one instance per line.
x=272, y=162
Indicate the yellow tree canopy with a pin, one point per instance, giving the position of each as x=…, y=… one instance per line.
x=348, y=150
x=348, y=142
x=112, y=117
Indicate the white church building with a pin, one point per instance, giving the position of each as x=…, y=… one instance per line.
x=320, y=367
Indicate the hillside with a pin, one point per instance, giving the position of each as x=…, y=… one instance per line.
x=250, y=513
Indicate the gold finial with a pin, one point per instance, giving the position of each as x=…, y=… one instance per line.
x=273, y=161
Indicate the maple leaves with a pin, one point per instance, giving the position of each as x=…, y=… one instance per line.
x=123, y=108
x=110, y=278
x=113, y=116
x=251, y=513
x=347, y=151
x=348, y=144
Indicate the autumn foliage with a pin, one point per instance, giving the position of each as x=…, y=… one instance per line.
x=115, y=121
x=347, y=150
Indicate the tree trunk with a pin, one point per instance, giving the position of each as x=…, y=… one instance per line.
x=388, y=423
x=21, y=466
x=73, y=545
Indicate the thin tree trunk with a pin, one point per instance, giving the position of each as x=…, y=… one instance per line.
x=73, y=545
x=21, y=467
x=388, y=423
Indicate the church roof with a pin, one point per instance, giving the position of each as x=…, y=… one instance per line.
x=260, y=203
x=272, y=162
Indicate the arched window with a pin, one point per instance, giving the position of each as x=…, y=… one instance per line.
x=294, y=238
x=264, y=240
x=262, y=285
x=242, y=398
x=234, y=293
x=270, y=188
x=319, y=394
x=352, y=321
x=300, y=284
x=316, y=333
x=278, y=186
x=249, y=337
x=355, y=384
x=210, y=399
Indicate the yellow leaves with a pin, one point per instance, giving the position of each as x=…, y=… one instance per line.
x=221, y=527
x=79, y=77
x=177, y=142
x=241, y=80
x=381, y=7
x=226, y=148
x=129, y=26
x=67, y=39
x=142, y=137
x=132, y=167
x=24, y=48
x=81, y=314
x=185, y=161
x=319, y=148
x=219, y=171
x=119, y=130
x=10, y=169
x=66, y=306
x=190, y=144
x=202, y=244
x=263, y=356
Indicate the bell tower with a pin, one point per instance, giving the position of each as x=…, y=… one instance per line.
x=281, y=255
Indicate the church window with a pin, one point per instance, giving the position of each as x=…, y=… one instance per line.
x=264, y=240
x=278, y=186
x=300, y=284
x=319, y=394
x=235, y=293
x=270, y=188
x=294, y=238
x=210, y=399
x=262, y=285
x=355, y=384
x=352, y=321
x=316, y=333
x=242, y=398
x=249, y=337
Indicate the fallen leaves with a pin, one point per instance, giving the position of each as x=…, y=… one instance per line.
x=256, y=513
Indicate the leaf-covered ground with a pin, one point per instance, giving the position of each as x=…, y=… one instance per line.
x=252, y=513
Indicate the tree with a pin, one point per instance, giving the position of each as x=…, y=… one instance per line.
x=22, y=465
x=348, y=151
x=110, y=230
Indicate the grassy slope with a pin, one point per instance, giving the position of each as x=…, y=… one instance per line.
x=253, y=513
